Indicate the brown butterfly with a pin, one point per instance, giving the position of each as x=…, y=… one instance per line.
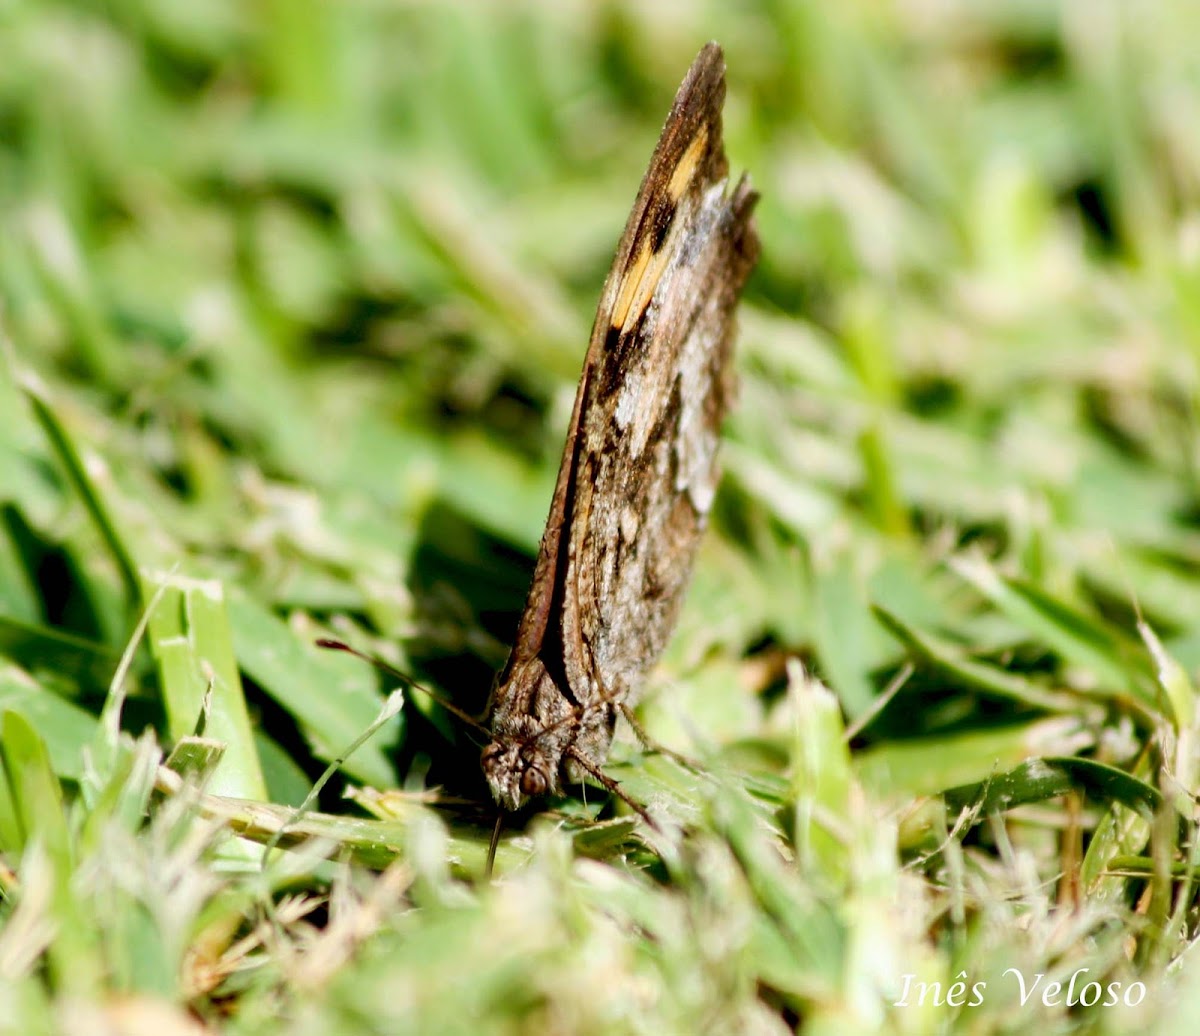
x=639, y=468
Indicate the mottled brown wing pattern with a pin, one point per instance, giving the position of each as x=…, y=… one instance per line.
x=639, y=467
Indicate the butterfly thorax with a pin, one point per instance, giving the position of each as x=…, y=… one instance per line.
x=539, y=735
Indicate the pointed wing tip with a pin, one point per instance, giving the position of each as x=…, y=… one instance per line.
x=703, y=88
x=709, y=63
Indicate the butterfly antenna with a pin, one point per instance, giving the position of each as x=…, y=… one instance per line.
x=494, y=844
x=340, y=645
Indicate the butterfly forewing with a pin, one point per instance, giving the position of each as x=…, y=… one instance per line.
x=639, y=467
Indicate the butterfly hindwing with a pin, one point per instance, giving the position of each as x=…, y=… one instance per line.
x=639, y=466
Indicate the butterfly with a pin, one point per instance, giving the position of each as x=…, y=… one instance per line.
x=639, y=468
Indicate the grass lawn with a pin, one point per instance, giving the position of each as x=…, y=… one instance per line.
x=293, y=301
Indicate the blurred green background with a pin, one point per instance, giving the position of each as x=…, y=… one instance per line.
x=295, y=295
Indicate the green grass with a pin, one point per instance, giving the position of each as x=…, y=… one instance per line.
x=293, y=297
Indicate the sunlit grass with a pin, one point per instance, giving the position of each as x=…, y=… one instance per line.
x=294, y=298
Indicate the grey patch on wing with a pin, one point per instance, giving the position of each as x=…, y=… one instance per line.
x=658, y=458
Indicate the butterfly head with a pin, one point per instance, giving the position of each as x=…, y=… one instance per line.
x=518, y=770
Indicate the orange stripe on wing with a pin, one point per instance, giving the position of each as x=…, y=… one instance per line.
x=642, y=275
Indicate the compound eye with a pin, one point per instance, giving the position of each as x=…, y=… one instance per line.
x=534, y=783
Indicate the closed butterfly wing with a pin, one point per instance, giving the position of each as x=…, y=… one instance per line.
x=639, y=468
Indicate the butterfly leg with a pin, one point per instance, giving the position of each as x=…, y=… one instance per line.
x=652, y=746
x=611, y=786
x=617, y=703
